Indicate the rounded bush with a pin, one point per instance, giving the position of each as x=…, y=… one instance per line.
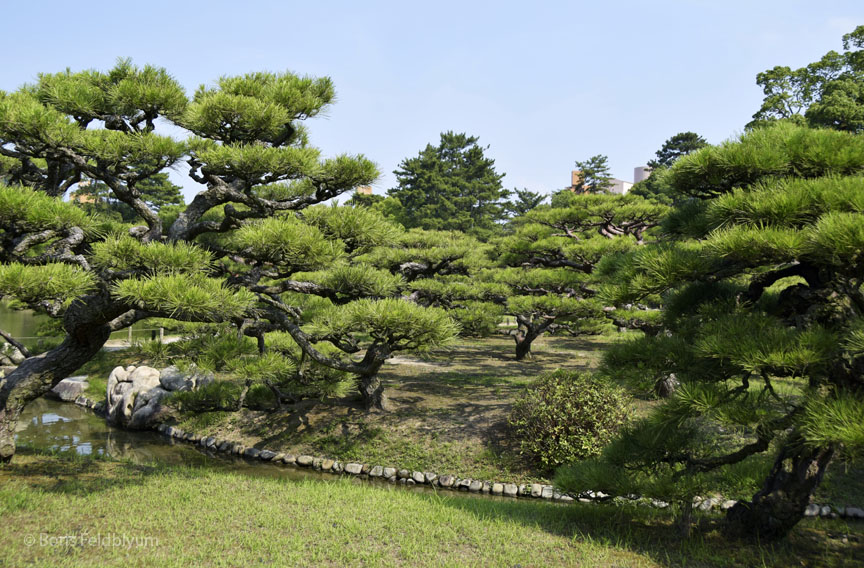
x=567, y=416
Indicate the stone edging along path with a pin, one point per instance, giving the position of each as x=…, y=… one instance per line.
x=450, y=482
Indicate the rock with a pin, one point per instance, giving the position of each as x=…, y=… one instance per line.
x=601, y=496
x=366, y=469
x=146, y=408
x=327, y=464
x=728, y=504
x=410, y=481
x=475, y=486
x=403, y=474
x=511, y=489
x=338, y=467
x=239, y=449
x=162, y=428
x=487, y=487
x=210, y=442
x=825, y=511
x=548, y=492
x=266, y=455
x=812, y=510
x=418, y=477
x=389, y=472
x=446, y=481
x=662, y=504
x=290, y=459
x=709, y=504
x=251, y=453
x=305, y=461
x=172, y=379
x=536, y=490
x=353, y=468
x=70, y=388
x=224, y=446
x=430, y=477
x=497, y=488
x=144, y=378
x=667, y=385
x=463, y=484
x=376, y=471
x=854, y=513
x=566, y=498
x=585, y=500
x=316, y=463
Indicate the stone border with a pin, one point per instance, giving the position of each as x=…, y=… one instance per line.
x=450, y=482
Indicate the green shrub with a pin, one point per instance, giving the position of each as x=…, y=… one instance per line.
x=218, y=395
x=566, y=416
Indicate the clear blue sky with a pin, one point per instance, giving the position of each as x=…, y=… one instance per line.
x=542, y=85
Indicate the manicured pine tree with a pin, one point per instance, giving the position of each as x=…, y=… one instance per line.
x=762, y=325
x=214, y=261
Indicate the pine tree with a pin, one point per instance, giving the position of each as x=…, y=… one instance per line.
x=762, y=318
x=233, y=254
x=452, y=186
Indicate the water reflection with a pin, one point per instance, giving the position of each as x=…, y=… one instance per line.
x=54, y=425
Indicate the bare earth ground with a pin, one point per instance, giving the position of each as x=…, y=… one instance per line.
x=448, y=411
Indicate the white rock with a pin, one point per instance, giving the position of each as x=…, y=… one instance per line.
x=70, y=388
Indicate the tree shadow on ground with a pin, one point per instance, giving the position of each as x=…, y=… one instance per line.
x=653, y=533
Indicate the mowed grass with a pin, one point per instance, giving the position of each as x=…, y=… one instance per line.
x=448, y=412
x=204, y=517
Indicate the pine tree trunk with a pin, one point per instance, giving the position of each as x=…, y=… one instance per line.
x=780, y=504
x=372, y=391
x=523, y=348
x=39, y=374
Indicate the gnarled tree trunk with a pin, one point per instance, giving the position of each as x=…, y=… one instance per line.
x=372, y=390
x=780, y=504
x=37, y=375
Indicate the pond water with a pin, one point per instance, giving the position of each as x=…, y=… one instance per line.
x=53, y=425
x=23, y=325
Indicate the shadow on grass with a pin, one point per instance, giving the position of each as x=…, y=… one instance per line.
x=652, y=533
x=641, y=530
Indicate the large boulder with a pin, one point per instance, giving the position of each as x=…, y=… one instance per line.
x=124, y=387
x=134, y=394
x=70, y=388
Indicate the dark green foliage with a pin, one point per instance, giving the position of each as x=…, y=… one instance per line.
x=762, y=302
x=452, y=186
x=594, y=176
x=679, y=145
x=825, y=93
x=525, y=201
x=566, y=416
x=157, y=191
x=218, y=395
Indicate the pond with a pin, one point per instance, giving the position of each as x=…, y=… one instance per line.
x=48, y=424
x=23, y=325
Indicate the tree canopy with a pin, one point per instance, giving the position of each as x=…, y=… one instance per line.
x=828, y=92
x=594, y=175
x=679, y=145
x=761, y=287
x=251, y=249
x=451, y=186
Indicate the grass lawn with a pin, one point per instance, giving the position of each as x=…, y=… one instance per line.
x=203, y=517
x=448, y=415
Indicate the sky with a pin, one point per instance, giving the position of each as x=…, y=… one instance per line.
x=541, y=84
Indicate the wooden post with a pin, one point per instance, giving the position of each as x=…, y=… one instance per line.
x=129, y=330
x=161, y=334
